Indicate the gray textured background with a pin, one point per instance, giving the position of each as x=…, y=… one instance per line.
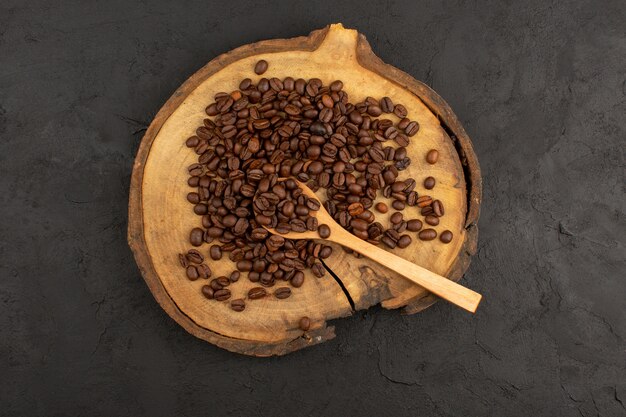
x=540, y=87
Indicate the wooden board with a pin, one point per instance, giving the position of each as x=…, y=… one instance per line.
x=160, y=217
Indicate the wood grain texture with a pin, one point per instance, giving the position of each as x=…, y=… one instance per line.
x=160, y=218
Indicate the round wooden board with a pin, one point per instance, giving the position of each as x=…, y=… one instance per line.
x=160, y=217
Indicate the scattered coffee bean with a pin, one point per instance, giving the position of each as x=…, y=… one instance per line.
x=382, y=207
x=208, y=292
x=282, y=292
x=432, y=156
x=427, y=234
x=260, y=67
x=216, y=252
x=196, y=237
x=413, y=225
x=429, y=183
x=318, y=270
x=297, y=280
x=446, y=236
x=221, y=295
x=432, y=220
x=192, y=273
x=404, y=241
x=304, y=323
x=238, y=305
x=256, y=292
x=396, y=217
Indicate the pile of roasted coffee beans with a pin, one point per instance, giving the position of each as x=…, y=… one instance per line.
x=260, y=136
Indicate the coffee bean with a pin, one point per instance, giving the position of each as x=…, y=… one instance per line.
x=432, y=220
x=260, y=67
x=414, y=225
x=446, y=236
x=221, y=295
x=412, y=129
x=429, y=183
x=256, y=292
x=204, y=271
x=234, y=276
x=304, y=323
x=400, y=111
x=216, y=252
x=282, y=293
x=324, y=231
x=382, y=207
x=194, y=256
x=404, y=241
x=182, y=259
x=318, y=270
x=297, y=280
x=427, y=234
x=208, y=292
x=192, y=273
x=390, y=243
x=438, y=208
x=398, y=205
x=432, y=156
x=238, y=305
x=396, y=218
x=386, y=105
x=196, y=237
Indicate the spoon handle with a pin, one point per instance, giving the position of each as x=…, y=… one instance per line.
x=443, y=287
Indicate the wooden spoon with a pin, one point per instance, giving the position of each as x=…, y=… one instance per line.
x=437, y=284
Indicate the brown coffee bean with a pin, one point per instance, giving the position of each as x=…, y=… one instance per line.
x=304, y=323
x=432, y=220
x=446, y=236
x=196, y=237
x=438, y=208
x=381, y=207
x=238, y=305
x=398, y=205
x=404, y=241
x=297, y=280
x=429, y=183
x=256, y=292
x=194, y=256
x=355, y=209
x=413, y=225
x=390, y=243
x=396, y=218
x=432, y=156
x=192, y=273
x=204, y=271
x=216, y=252
x=400, y=111
x=324, y=231
x=386, y=105
x=427, y=234
x=260, y=67
x=234, y=276
x=182, y=259
x=318, y=270
x=208, y=292
x=423, y=201
x=221, y=295
x=282, y=293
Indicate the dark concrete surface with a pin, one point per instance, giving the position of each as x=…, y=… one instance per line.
x=540, y=87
